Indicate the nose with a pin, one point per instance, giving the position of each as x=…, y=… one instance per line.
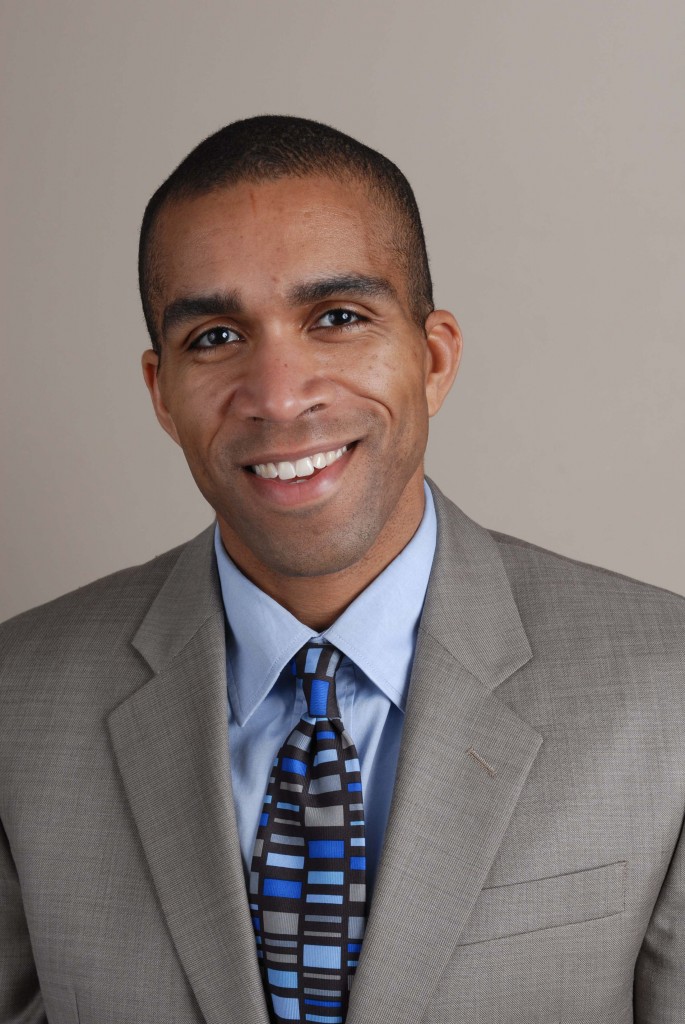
x=281, y=379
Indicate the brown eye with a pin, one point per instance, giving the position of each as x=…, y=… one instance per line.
x=214, y=337
x=339, y=318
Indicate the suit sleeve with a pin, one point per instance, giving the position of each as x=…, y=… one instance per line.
x=20, y=998
x=659, y=993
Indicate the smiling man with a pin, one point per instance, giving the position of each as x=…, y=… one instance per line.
x=346, y=756
x=297, y=377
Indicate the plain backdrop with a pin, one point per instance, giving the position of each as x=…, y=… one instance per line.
x=545, y=141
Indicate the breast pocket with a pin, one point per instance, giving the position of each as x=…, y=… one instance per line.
x=551, y=902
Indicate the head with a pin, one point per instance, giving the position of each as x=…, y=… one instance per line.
x=271, y=147
x=296, y=355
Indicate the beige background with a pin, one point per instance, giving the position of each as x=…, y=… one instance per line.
x=546, y=144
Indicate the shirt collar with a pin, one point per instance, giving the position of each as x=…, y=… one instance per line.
x=263, y=636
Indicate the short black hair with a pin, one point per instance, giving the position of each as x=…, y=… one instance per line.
x=273, y=146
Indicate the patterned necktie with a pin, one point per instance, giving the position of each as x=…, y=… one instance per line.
x=308, y=877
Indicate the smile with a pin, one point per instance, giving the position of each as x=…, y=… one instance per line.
x=300, y=467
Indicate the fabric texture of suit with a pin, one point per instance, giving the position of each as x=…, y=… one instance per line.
x=532, y=872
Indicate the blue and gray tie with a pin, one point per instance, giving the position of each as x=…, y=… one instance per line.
x=308, y=876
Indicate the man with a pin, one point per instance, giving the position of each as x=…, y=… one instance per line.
x=518, y=717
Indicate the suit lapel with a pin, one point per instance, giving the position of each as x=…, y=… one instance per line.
x=463, y=762
x=170, y=742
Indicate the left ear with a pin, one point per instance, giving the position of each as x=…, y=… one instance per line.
x=444, y=346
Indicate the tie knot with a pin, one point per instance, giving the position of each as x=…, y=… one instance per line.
x=316, y=664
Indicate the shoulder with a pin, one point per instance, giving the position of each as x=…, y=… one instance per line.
x=590, y=615
x=530, y=566
x=90, y=618
x=565, y=604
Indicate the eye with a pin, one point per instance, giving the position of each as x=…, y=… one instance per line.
x=339, y=318
x=215, y=337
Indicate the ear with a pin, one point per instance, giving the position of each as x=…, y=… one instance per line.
x=151, y=373
x=444, y=346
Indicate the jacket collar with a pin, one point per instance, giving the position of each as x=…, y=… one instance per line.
x=463, y=762
x=464, y=759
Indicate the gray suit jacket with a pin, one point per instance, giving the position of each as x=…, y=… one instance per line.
x=532, y=869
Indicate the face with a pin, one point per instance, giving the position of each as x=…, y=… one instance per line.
x=293, y=375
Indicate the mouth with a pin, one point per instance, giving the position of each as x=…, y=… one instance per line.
x=294, y=470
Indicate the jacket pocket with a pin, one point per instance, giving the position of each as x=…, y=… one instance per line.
x=546, y=903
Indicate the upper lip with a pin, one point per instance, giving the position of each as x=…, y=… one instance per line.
x=324, y=446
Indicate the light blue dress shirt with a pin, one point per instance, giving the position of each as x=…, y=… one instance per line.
x=376, y=633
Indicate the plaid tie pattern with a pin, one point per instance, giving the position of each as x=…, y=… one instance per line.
x=308, y=874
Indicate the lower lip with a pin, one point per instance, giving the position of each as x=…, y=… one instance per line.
x=302, y=490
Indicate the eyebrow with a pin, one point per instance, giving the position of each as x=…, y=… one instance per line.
x=341, y=284
x=193, y=307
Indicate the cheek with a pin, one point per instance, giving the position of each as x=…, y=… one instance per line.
x=399, y=383
x=198, y=408
x=391, y=373
x=197, y=430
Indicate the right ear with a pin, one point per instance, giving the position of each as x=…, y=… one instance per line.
x=150, y=364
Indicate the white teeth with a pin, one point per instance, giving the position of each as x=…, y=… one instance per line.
x=300, y=468
x=304, y=467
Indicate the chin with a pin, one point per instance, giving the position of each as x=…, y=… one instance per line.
x=311, y=554
x=310, y=564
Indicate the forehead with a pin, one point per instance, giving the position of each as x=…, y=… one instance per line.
x=267, y=237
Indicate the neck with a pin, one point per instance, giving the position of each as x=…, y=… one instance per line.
x=317, y=601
